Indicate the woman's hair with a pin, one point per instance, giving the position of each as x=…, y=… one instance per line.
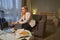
x=25, y=8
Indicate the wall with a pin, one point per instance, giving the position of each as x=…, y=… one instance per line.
x=46, y=5
x=29, y=5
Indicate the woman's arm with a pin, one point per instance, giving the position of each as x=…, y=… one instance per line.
x=27, y=18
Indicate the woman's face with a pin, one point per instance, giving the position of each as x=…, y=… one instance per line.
x=23, y=10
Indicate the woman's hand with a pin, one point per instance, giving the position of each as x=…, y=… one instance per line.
x=13, y=23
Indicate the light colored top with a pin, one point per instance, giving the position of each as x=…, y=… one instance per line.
x=27, y=19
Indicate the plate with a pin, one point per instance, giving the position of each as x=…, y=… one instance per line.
x=22, y=32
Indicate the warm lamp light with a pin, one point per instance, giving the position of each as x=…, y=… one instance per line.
x=34, y=11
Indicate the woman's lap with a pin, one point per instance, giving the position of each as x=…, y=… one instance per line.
x=27, y=26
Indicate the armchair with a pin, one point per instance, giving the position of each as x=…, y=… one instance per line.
x=38, y=31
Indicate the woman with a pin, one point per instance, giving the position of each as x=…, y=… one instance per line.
x=26, y=21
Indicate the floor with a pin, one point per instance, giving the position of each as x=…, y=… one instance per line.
x=55, y=36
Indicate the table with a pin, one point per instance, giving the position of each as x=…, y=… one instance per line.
x=7, y=36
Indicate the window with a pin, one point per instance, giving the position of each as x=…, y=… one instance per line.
x=13, y=7
x=7, y=4
x=17, y=4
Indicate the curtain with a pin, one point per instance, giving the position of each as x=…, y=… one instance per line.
x=11, y=8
